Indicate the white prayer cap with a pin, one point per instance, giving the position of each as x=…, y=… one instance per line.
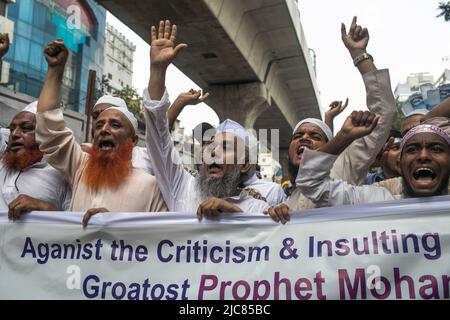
x=32, y=107
x=234, y=128
x=113, y=101
x=130, y=116
x=322, y=125
x=421, y=111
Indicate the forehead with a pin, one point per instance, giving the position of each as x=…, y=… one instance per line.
x=112, y=114
x=24, y=116
x=227, y=137
x=309, y=127
x=426, y=137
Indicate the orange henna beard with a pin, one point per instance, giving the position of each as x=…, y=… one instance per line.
x=22, y=159
x=108, y=169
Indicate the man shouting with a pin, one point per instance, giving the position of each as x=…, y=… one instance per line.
x=102, y=179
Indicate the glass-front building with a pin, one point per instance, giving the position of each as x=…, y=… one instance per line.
x=79, y=23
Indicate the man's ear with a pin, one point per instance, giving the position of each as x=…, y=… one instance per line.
x=245, y=167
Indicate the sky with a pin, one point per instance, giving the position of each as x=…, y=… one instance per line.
x=405, y=37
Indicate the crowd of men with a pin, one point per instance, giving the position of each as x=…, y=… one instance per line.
x=43, y=168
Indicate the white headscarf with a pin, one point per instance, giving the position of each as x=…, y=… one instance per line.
x=322, y=125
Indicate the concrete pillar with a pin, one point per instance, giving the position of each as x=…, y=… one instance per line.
x=243, y=103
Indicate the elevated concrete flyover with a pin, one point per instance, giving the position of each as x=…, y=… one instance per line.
x=250, y=54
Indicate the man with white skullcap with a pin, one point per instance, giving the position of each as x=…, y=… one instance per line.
x=216, y=189
x=29, y=183
x=424, y=163
x=102, y=179
x=354, y=163
x=140, y=158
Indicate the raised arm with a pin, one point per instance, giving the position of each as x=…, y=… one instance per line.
x=55, y=139
x=336, y=108
x=166, y=163
x=184, y=99
x=441, y=110
x=56, y=55
x=354, y=163
x=356, y=41
x=163, y=52
x=314, y=179
x=4, y=44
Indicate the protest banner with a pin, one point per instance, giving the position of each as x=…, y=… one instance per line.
x=386, y=250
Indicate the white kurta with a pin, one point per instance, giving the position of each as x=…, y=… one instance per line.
x=315, y=183
x=138, y=192
x=353, y=164
x=40, y=181
x=178, y=187
x=271, y=191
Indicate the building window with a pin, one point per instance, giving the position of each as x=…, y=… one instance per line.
x=109, y=76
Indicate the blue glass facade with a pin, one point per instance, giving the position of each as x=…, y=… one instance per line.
x=38, y=22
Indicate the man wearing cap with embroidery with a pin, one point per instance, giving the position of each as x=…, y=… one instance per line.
x=217, y=187
x=140, y=158
x=103, y=179
x=424, y=163
x=29, y=183
x=354, y=163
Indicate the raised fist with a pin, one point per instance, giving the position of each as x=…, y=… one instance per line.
x=56, y=54
x=359, y=124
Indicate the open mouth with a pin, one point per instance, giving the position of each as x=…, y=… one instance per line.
x=214, y=168
x=301, y=150
x=424, y=174
x=106, y=145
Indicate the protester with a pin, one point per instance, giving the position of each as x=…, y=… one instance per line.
x=103, y=179
x=387, y=162
x=29, y=183
x=354, y=163
x=424, y=163
x=217, y=187
x=4, y=44
x=140, y=158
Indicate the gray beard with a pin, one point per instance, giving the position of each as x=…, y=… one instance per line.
x=228, y=186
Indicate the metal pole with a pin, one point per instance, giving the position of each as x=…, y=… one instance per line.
x=89, y=104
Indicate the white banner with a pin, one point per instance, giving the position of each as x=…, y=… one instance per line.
x=391, y=250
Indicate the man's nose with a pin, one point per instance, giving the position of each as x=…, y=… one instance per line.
x=424, y=155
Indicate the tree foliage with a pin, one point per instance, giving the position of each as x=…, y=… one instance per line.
x=397, y=125
x=444, y=8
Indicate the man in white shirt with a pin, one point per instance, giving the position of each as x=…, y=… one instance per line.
x=353, y=164
x=424, y=163
x=27, y=181
x=216, y=189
